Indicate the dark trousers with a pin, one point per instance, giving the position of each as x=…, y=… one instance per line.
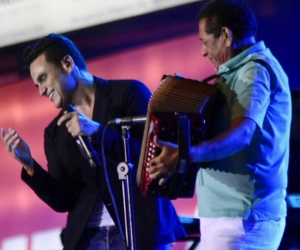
x=104, y=238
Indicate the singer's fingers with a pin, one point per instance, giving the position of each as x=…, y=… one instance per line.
x=158, y=142
x=155, y=161
x=73, y=127
x=64, y=118
x=15, y=144
x=156, y=169
x=158, y=172
x=162, y=181
x=11, y=140
x=7, y=135
x=3, y=132
x=11, y=137
x=75, y=131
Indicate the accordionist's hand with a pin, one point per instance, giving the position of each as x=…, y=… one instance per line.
x=164, y=165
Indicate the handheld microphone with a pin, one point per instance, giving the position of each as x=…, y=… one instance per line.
x=129, y=120
x=85, y=143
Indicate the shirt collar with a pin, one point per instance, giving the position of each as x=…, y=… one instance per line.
x=238, y=59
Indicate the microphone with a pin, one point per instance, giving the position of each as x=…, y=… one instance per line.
x=130, y=120
x=85, y=143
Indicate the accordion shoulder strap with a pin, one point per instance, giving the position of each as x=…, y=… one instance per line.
x=260, y=61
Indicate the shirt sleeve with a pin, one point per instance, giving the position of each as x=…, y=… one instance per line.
x=252, y=91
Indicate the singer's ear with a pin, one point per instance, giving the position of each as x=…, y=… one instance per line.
x=67, y=64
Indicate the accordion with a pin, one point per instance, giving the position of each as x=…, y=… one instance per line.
x=178, y=112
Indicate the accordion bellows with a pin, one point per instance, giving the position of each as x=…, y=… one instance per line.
x=177, y=112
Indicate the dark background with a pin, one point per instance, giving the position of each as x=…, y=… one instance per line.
x=278, y=21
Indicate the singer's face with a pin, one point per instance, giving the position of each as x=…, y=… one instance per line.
x=218, y=49
x=54, y=82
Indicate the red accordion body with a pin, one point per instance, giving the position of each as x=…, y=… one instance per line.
x=177, y=112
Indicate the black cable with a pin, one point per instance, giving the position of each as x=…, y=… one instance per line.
x=108, y=183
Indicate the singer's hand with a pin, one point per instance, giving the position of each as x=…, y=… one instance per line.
x=164, y=165
x=78, y=124
x=17, y=148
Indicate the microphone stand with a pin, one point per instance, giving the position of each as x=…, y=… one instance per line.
x=124, y=174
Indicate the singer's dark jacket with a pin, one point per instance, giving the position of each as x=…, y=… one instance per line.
x=70, y=185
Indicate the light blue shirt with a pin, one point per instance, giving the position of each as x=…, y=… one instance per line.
x=252, y=181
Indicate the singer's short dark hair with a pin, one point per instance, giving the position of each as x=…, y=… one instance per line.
x=234, y=14
x=55, y=47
